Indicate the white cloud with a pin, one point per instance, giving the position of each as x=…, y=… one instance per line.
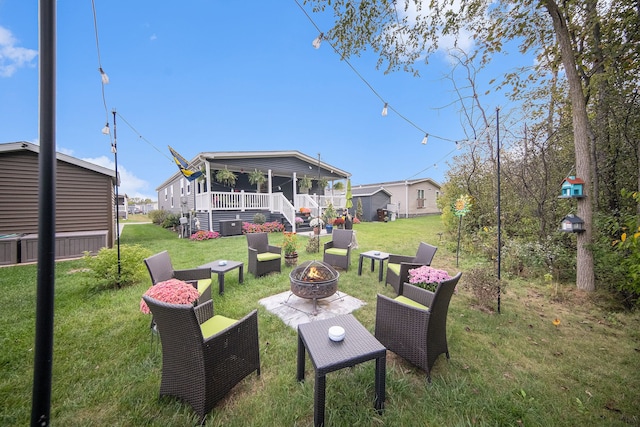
x=130, y=184
x=153, y=37
x=13, y=57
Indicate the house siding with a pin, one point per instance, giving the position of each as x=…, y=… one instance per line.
x=84, y=199
x=406, y=197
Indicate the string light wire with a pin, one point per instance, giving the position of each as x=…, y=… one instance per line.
x=357, y=73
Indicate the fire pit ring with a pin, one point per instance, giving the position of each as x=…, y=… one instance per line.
x=314, y=280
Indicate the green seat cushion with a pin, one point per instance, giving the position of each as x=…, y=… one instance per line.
x=411, y=302
x=394, y=267
x=203, y=284
x=337, y=251
x=268, y=256
x=215, y=325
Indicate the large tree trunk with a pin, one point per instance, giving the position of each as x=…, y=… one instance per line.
x=585, y=275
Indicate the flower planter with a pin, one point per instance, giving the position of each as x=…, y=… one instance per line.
x=329, y=228
x=290, y=259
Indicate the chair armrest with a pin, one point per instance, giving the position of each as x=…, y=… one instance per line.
x=275, y=249
x=328, y=245
x=417, y=294
x=192, y=274
x=397, y=259
x=204, y=311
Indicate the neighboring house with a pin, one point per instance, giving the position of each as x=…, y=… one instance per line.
x=85, y=214
x=280, y=198
x=410, y=198
x=123, y=202
x=373, y=200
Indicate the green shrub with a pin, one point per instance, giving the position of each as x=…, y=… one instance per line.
x=171, y=221
x=158, y=216
x=259, y=218
x=104, y=266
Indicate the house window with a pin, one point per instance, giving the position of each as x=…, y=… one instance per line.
x=182, y=187
x=420, y=200
x=188, y=187
x=172, y=196
x=165, y=194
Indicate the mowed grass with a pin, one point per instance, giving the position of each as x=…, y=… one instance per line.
x=509, y=369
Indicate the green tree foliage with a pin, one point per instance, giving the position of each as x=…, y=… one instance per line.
x=580, y=99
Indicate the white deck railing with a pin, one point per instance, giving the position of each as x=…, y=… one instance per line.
x=274, y=202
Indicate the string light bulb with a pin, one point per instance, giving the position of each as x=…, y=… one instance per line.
x=318, y=41
x=105, y=78
x=425, y=139
x=384, y=110
x=105, y=129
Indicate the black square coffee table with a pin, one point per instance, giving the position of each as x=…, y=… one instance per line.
x=374, y=255
x=221, y=269
x=327, y=356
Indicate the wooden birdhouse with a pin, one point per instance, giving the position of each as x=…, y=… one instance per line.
x=572, y=187
x=572, y=224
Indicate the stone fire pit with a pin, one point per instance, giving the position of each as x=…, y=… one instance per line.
x=314, y=280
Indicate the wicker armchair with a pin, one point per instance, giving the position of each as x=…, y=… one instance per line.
x=414, y=325
x=263, y=257
x=398, y=266
x=204, y=355
x=337, y=252
x=161, y=269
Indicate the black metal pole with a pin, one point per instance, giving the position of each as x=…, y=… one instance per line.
x=499, y=214
x=43, y=353
x=114, y=149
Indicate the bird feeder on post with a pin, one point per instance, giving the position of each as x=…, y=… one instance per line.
x=572, y=224
x=572, y=188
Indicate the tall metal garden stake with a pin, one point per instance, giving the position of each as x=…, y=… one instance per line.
x=499, y=216
x=114, y=150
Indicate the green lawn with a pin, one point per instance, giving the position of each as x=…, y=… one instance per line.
x=515, y=368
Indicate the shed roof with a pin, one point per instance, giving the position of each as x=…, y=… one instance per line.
x=28, y=146
x=368, y=191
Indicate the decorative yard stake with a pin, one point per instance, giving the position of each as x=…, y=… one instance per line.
x=460, y=209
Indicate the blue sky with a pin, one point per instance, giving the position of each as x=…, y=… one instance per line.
x=205, y=75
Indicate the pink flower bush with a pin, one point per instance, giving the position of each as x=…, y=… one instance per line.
x=204, y=235
x=268, y=227
x=171, y=291
x=427, y=277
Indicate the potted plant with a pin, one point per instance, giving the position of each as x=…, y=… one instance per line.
x=226, y=177
x=172, y=291
x=322, y=183
x=305, y=183
x=329, y=215
x=305, y=211
x=316, y=223
x=290, y=248
x=428, y=278
x=257, y=178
